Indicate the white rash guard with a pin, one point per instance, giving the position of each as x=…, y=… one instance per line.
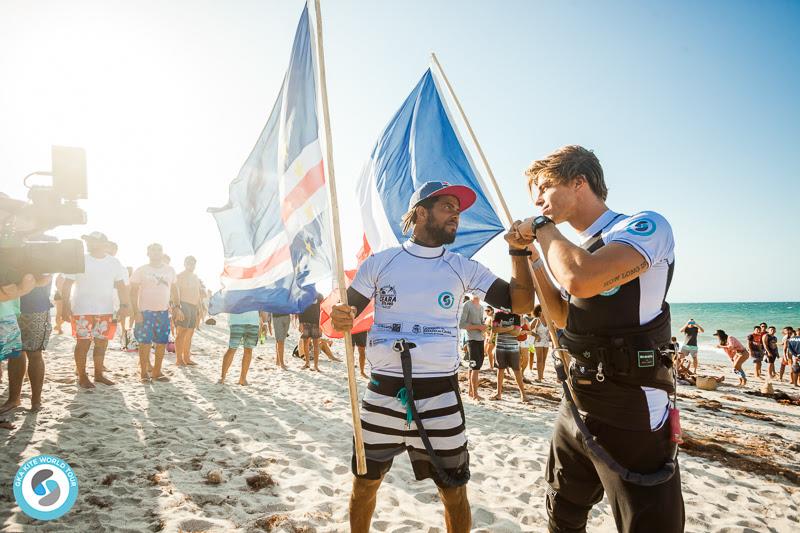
x=418, y=293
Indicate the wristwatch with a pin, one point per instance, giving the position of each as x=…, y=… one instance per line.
x=538, y=222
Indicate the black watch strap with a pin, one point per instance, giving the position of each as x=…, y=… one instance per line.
x=540, y=221
x=516, y=251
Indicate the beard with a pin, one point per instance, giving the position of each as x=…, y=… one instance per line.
x=439, y=234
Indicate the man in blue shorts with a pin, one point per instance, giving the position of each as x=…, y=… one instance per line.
x=153, y=293
x=244, y=329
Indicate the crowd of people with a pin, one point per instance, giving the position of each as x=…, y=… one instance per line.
x=509, y=341
x=762, y=344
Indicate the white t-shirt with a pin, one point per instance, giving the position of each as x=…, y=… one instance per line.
x=418, y=292
x=93, y=292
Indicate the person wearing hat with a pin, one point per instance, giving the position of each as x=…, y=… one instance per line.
x=90, y=306
x=413, y=350
x=154, y=292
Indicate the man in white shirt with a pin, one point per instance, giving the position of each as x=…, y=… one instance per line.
x=90, y=307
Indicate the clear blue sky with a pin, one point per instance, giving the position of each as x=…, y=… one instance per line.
x=691, y=107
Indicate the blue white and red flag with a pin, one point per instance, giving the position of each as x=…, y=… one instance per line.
x=275, y=227
x=422, y=144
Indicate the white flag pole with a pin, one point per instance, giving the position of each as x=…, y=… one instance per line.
x=545, y=308
x=361, y=460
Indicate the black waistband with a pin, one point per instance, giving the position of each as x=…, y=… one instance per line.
x=423, y=387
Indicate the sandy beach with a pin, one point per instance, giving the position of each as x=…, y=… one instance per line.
x=193, y=455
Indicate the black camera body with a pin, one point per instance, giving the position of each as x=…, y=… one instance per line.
x=23, y=247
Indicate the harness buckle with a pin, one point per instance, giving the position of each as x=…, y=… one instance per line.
x=600, y=376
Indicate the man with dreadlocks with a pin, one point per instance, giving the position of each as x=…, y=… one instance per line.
x=417, y=288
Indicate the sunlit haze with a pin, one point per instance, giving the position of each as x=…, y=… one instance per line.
x=691, y=107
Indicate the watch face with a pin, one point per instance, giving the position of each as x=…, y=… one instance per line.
x=541, y=219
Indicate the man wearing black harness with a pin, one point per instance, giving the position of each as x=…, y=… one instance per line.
x=612, y=307
x=412, y=404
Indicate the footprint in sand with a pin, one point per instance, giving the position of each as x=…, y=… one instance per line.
x=340, y=470
x=425, y=497
x=327, y=491
x=195, y=524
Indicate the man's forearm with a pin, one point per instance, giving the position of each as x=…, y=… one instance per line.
x=553, y=304
x=563, y=257
x=521, y=286
x=124, y=293
x=134, y=299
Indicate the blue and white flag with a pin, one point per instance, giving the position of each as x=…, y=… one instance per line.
x=421, y=144
x=275, y=227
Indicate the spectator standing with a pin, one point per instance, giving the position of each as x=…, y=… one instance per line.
x=153, y=293
x=89, y=305
x=471, y=322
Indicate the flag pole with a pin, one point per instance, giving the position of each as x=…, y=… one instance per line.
x=361, y=460
x=545, y=308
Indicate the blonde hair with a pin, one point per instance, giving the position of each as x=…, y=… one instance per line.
x=566, y=164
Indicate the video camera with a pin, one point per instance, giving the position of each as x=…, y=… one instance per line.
x=23, y=247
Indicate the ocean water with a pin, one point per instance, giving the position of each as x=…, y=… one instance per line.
x=735, y=319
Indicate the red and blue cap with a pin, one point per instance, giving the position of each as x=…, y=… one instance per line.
x=466, y=196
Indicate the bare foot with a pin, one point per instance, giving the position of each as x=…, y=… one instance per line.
x=9, y=406
x=495, y=397
x=305, y=366
x=84, y=382
x=104, y=380
x=243, y=382
x=191, y=363
x=523, y=399
x=36, y=407
x=284, y=367
x=363, y=375
x=160, y=377
x=144, y=379
x=316, y=369
x=5, y=424
x=221, y=381
x=335, y=359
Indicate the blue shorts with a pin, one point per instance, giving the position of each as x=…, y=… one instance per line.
x=10, y=338
x=154, y=329
x=245, y=335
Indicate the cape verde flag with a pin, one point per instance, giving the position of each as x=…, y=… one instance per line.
x=275, y=227
x=421, y=144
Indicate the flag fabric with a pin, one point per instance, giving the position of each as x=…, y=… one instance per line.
x=421, y=144
x=275, y=227
x=364, y=320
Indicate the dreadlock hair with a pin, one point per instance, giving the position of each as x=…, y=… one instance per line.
x=409, y=220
